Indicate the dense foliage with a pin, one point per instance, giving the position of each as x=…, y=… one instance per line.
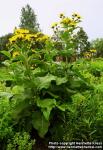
x=45, y=93
x=3, y=45
x=28, y=19
x=98, y=45
x=82, y=42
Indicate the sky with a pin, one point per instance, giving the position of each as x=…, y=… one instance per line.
x=47, y=12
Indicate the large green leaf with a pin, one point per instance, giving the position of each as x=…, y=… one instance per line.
x=17, y=89
x=21, y=108
x=40, y=123
x=63, y=107
x=5, y=75
x=6, y=94
x=46, y=106
x=60, y=81
x=44, y=82
x=6, y=53
x=66, y=52
x=52, y=94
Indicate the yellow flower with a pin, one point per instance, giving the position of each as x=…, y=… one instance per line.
x=92, y=50
x=54, y=25
x=16, y=37
x=28, y=37
x=34, y=35
x=21, y=36
x=38, y=34
x=61, y=15
x=13, y=38
x=87, y=54
x=66, y=21
x=24, y=35
x=73, y=23
x=43, y=38
x=16, y=53
x=22, y=31
x=76, y=15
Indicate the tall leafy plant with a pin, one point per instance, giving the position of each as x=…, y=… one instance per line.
x=45, y=93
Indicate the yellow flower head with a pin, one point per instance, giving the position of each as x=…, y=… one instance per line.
x=54, y=25
x=28, y=37
x=66, y=20
x=76, y=15
x=61, y=15
x=92, y=50
x=22, y=31
x=43, y=38
x=73, y=24
x=87, y=54
x=13, y=38
x=38, y=34
x=16, y=53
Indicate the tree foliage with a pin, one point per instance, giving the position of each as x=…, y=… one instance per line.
x=98, y=45
x=4, y=40
x=82, y=42
x=3, y=45
x=28, y=19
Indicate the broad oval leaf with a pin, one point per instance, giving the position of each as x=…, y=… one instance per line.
x=46, y=106
x=6, y=53
x=40, y=123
